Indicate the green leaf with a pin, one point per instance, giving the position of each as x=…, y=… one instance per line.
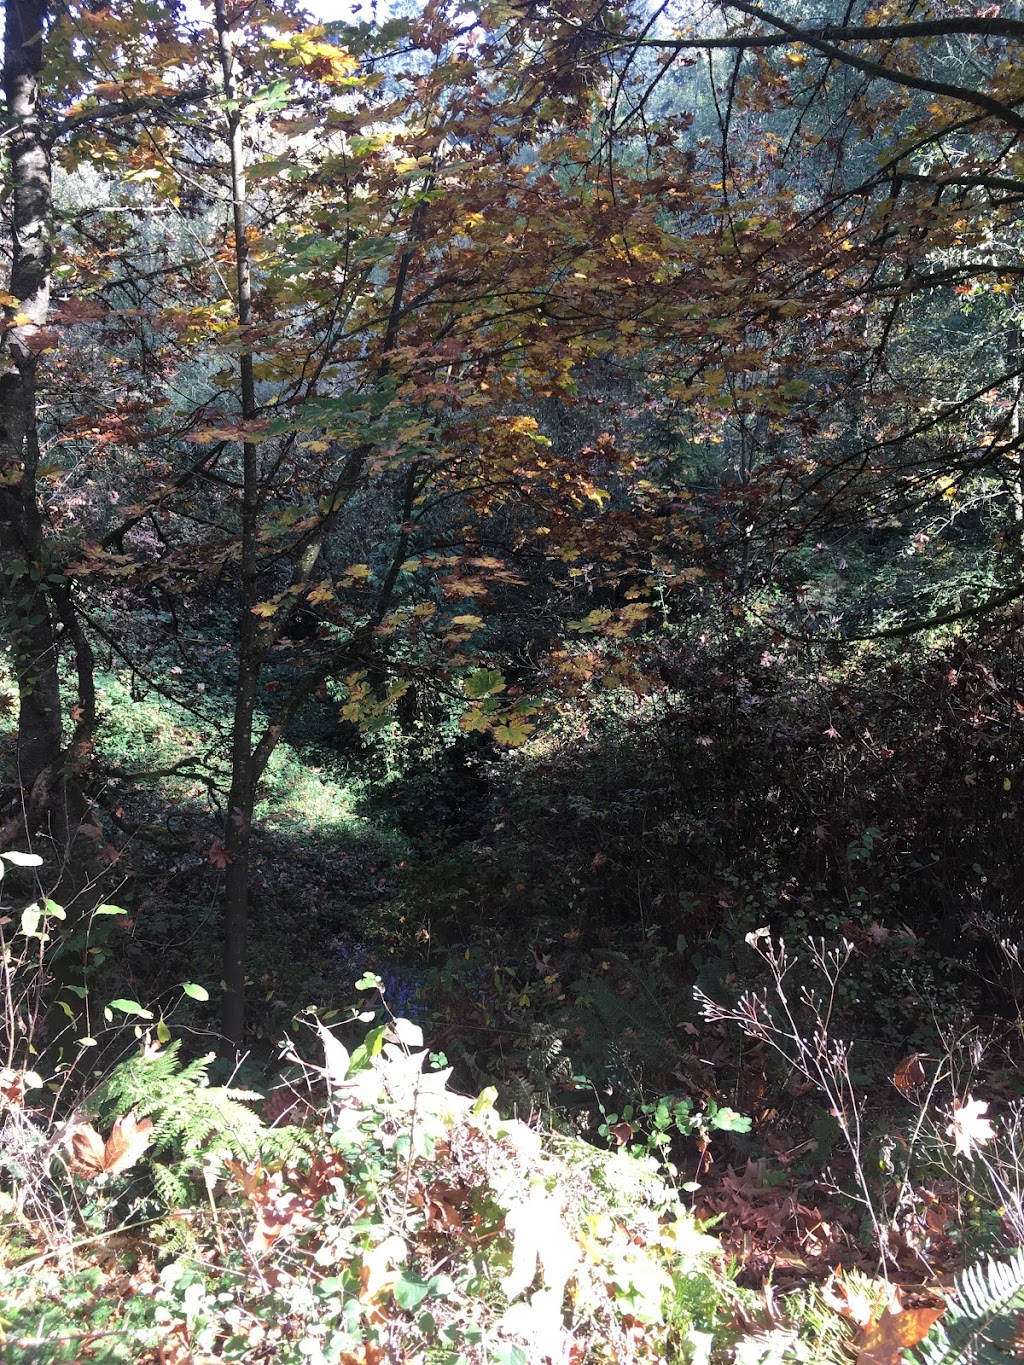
x=729, y=1121
x=163, y=1033
x=485, y=682
x=484, y=1101
x=369, y=1048
x=507, y=1353
x=195, y=991
x=23, y=859
x=795, y=388
x=409, y=1290
x=131, y=1007
x=370, y=981
x=109, y=910
x=512, y=735
x=30, y=918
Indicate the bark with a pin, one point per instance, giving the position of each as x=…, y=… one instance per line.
x=242, y=799
x=28, y=624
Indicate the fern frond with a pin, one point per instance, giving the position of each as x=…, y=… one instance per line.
x=192, y=1119
x=984, y=1318
x=176, y=1237
x=168, y=1185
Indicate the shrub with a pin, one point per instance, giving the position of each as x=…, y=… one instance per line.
x=419, y=1226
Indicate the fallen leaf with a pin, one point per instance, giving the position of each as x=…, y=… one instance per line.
x=91, y=1157
x=895, y=1331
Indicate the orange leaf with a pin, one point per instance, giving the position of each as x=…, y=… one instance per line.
x=894, y=1332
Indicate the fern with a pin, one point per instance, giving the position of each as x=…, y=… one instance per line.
x=638, y=1031
x=191, y=1117
x=983, y=1320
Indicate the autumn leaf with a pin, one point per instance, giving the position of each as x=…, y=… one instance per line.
x=909, y=1073
x=970, y=1129
x=218, y=855
x=91, y=1157
x=887, y=1329
x=858, y=1300
x=894, y=1332
x=12, y=1089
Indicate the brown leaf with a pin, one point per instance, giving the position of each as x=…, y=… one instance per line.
x=12, y=1089
x=128, y=1139
x=91, y=1157
x=86, y=1148
x=910, y=1073
x=218, y=855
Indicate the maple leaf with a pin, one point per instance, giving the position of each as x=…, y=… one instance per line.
x=218, y=855
x=91, y=1157
x=970, y=1128
x=896, y=1330
x=12, y=1089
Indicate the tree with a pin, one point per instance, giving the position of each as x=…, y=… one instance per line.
x=327, y=287
x=405, y=285
x=23, y=561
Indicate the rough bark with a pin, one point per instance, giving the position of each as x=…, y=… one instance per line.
x=28, y=623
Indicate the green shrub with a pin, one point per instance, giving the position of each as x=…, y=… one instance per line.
x=419, y=1226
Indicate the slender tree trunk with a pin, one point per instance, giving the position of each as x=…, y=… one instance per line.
x=28, y=624
x=238, y=830
x=1014, y=360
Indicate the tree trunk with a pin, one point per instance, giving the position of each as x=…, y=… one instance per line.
x=23, y=566
x=238, y=830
